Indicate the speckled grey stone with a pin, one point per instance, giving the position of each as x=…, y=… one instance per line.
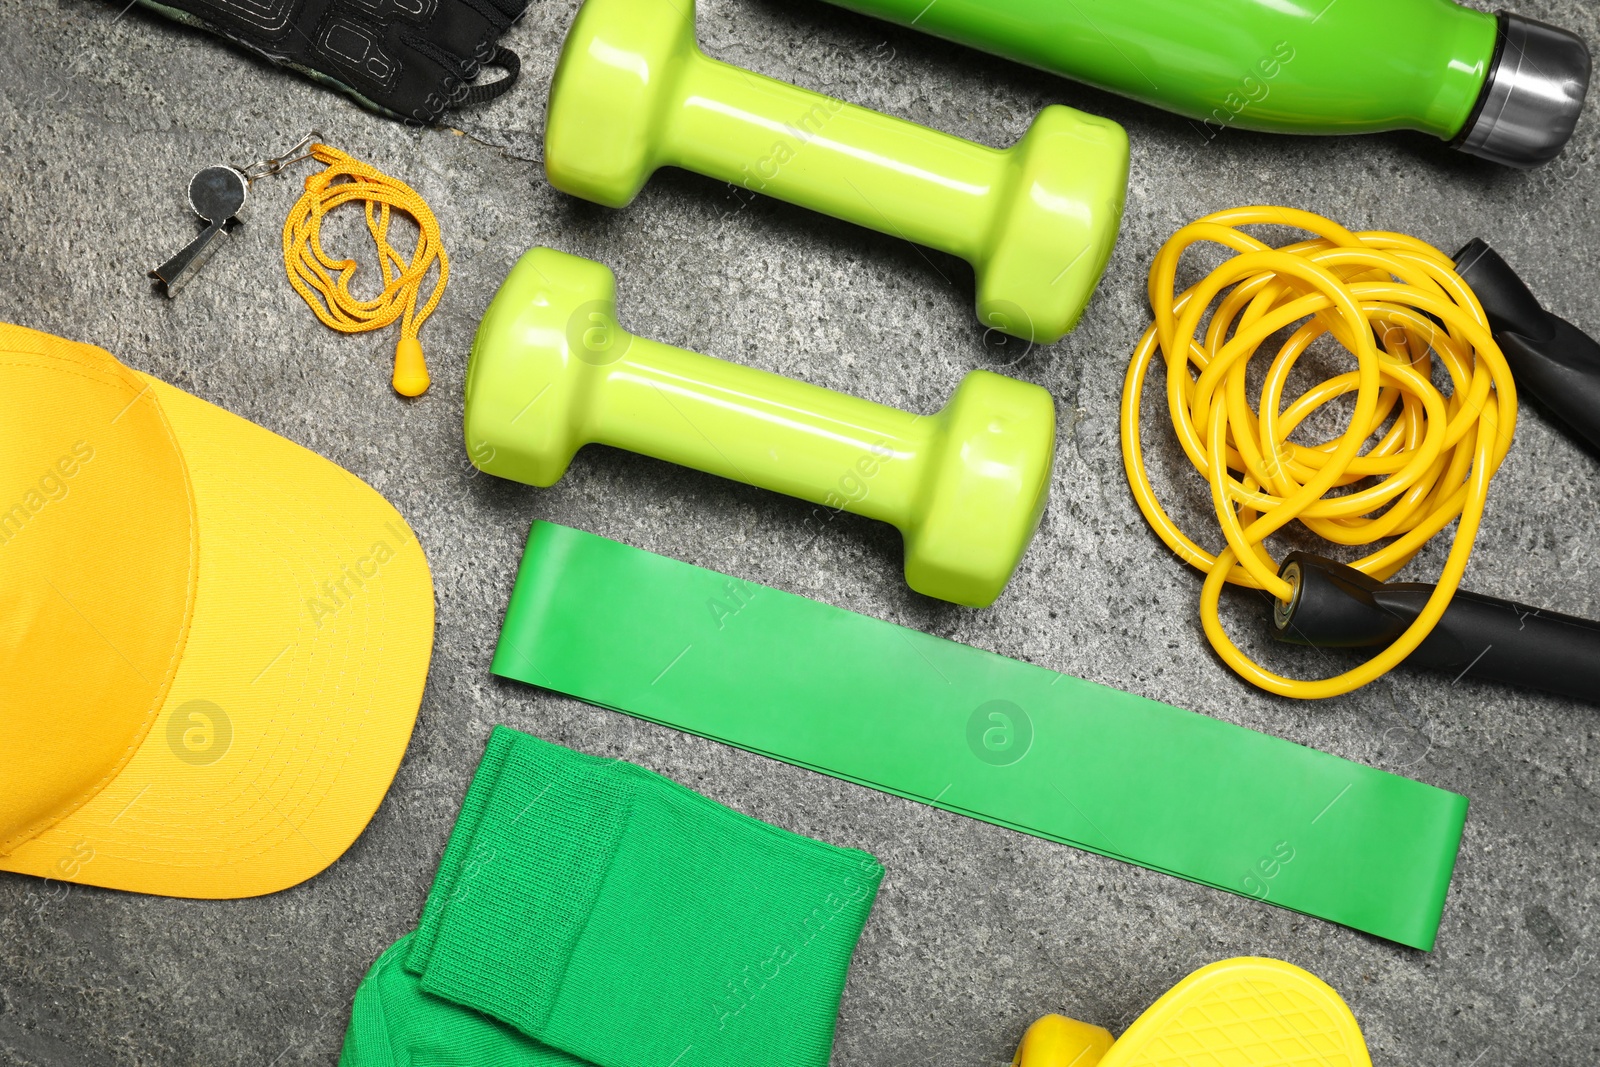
x=105, y=113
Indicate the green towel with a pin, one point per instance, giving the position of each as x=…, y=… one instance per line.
x=613, y=915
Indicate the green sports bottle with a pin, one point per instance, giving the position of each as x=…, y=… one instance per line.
x=1503, y=87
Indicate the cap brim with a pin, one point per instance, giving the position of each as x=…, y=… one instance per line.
x=297, y=690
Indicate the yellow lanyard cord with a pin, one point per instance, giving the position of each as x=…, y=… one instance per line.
x=310, y=269
x=1430, y=456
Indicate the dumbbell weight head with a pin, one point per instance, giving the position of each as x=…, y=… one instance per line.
x=544, y=346
x=607, y=101
x=984, y=489
x=1042, y=261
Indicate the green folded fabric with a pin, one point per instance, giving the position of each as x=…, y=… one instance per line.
x=393, y=1023
x=613, y=915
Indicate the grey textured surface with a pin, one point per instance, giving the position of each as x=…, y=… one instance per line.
x=978, y=930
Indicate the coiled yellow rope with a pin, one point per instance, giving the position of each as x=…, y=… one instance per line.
x=310, y=269
x=1431, y=464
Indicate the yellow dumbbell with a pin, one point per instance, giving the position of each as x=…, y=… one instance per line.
x=1245, y=1012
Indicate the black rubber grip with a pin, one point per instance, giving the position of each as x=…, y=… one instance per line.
x=1551, y=359
x=1336, y=606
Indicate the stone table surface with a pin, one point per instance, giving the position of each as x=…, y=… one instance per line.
x=105, y=112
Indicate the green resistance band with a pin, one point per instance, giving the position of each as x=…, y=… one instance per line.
x=981, y=735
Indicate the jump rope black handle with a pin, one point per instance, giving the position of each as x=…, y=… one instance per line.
x=1336, y=606
x=1551, y=359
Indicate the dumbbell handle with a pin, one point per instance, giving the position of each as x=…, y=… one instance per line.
x=877, y=171
x=752, y=426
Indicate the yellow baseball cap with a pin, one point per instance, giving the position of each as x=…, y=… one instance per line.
x=213, y=642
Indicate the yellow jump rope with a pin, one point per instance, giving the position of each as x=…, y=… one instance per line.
x=324, y=282
x=1410, y=460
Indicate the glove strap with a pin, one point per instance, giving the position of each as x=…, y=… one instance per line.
x=482, y=93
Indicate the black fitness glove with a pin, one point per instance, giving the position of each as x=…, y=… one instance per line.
x=408, y=59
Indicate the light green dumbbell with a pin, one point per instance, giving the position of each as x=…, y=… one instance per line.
x=551, y=371
x=1037, y=221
